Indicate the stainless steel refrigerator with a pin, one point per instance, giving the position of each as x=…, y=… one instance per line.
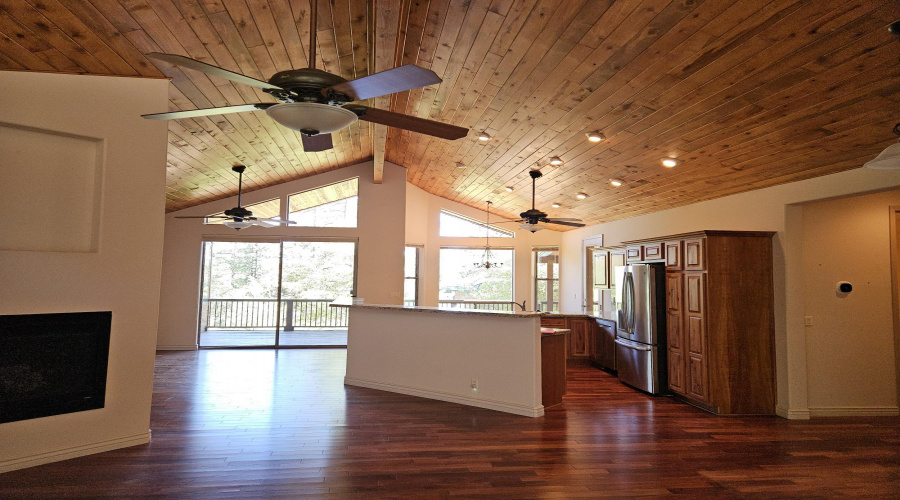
x=641, y=326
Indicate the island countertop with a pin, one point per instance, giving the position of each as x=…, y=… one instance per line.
x=438, y=310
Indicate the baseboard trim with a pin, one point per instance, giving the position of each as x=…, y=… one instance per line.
x=855, y=411
x=74, y=452
x=792, y=414
x=189, y=347
x=527, y=411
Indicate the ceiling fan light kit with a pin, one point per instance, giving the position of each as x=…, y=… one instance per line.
x=531, y=219
x=312, y=118
x=889, y=159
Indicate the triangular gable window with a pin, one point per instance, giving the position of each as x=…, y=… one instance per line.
x=334, y=205
x=460, y=226
x=261, y=210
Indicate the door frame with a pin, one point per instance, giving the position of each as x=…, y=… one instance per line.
x=894, y=213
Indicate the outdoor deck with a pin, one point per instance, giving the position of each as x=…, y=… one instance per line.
x=332, y=337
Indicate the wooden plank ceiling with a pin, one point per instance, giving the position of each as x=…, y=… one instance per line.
x=748, y=94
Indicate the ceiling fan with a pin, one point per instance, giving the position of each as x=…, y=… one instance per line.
x=239, y=217
x=315, y=102
x=532, y=218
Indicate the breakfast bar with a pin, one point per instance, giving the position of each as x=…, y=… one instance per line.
x=488, y=359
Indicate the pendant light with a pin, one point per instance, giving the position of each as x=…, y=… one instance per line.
x=487, y=259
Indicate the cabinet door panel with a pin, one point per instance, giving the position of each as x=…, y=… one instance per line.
x=674, y=336
x=579, y=338
x=600, y=268
x=673, y=255
x=696, y=377
x=604, y=345
x=633, y=254
x=695, y=334
x=676, y=371
x=694, y=255
x=653, y=251
x=694, y=293
x=616, y=259
x=673, y=291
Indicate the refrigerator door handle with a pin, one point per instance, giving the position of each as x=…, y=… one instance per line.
x=633, y=345
x=629, y=302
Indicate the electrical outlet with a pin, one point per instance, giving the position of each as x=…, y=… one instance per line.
x=474, y=385
x=807, y=321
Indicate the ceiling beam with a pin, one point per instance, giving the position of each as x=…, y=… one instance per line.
x=386, y=25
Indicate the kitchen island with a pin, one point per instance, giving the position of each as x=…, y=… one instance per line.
x=488, y=359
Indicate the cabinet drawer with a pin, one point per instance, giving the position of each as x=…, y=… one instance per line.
x=553, y=322
x=673, y=255
x=633, y=254
x=653, y=251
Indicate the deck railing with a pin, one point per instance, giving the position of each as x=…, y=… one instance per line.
x=254, y=314
x=485, y=305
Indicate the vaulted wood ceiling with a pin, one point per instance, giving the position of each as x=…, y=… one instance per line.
x=748, y=94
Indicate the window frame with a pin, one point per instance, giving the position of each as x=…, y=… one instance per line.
x=482, y=225
x=550, y=280
x=418, y=257
x=288, y=212
x=512, y=266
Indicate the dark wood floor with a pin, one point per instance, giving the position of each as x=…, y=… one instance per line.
x=266, y=424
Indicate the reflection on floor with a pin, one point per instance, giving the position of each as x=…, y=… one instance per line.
x=336, y=337
x=281, y=424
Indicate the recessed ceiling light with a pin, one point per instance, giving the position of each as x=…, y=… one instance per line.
x=555, y=205
x=670, y=162
x=556, y=160
x=595, y=136
x=581, y=196
x=460, y=164
x=509, y=189
x=616, y=182
x=484, y=137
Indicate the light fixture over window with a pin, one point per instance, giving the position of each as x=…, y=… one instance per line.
x=556, y=160
x=487, y=259
x=670, y=162
x=581, y=196
x=595, y=136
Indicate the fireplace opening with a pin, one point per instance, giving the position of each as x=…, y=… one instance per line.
x=52, y=364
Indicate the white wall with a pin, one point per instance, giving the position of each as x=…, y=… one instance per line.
x=850, y=345
x=423, y=228
x=437, y=355
x=771, y=209
x=120, y=274
x=380, y=232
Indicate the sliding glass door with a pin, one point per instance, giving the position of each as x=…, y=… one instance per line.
x=275, y=293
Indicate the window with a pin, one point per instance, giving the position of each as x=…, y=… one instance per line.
x=334, y=205
x=411, y=276
x=460, y=226
x=464, y=285
x=261, y=210
x=546, y=279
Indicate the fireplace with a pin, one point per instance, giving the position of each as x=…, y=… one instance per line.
x=52, y=364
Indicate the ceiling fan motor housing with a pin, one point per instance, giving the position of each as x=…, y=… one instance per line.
x=238, y=212
x=305, y=85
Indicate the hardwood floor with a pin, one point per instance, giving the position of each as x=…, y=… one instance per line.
x=268, y=424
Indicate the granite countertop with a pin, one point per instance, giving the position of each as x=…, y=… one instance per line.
x=437, y=310
x=551, y=332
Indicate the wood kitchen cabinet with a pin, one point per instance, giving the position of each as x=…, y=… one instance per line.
x=580, y=339
x=604, y=352
x=720, y=319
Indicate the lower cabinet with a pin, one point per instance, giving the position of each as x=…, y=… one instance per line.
x=579, y=338
x=604, y=355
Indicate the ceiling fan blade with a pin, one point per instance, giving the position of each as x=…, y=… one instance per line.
x=176, y=115
x=563, y=223
x=209, y=69
x=562, y=219
x=316, y=143
x=201, y=217
x=406, y=77
x=406, y=122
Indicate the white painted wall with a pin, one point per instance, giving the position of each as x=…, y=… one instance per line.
x=380, y=232
x=850, y=345
x=423, y=228
x=437, y=355
x=121, y=274
x=772, y=209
